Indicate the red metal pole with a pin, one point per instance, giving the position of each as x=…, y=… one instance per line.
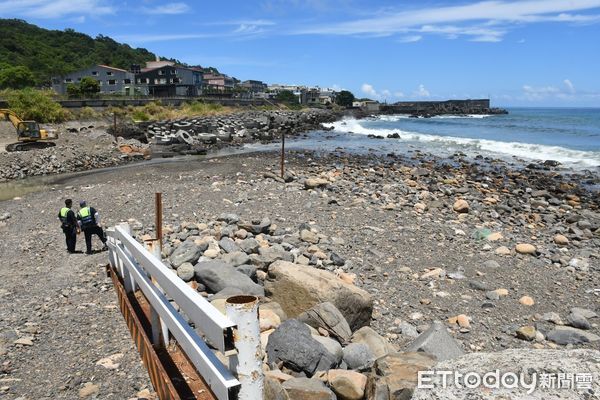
x=282, y=153
x=158, y=222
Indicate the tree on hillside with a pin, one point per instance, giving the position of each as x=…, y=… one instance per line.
x=16, y=78
x=286, y=96
x=344, y=98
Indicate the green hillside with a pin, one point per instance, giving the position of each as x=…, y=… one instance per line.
x=49, y=53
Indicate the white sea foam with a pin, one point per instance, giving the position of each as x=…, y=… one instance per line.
x=582, y=159
x=398, y=117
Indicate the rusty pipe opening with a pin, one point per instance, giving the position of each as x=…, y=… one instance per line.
x=242, y=299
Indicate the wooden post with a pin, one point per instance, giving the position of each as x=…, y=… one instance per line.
x=158, y=221
x=115, y=123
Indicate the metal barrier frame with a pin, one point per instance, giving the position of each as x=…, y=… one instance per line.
x=138, y=268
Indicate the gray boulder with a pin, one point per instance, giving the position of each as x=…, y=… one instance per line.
x=228, y=245
x=274, y=253
x=293, y=344
x=256, y=227
x=186, y=271
x=187, y=251
x=358, y=356
x=327, y=316
x=577, y=320
x=236, y=258
x=229, y=218
x=437, y=341
x=569, y=335
x=332, y=346
x=218, y=275
x=249, y=245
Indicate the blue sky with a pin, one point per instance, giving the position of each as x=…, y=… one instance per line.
x=532, y=53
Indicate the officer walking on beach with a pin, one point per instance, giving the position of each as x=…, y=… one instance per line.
x=88, y=219
x=69, y=226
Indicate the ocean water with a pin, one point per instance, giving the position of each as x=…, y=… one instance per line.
x=570, y=136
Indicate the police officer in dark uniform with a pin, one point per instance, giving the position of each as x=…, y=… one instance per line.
x=68, y=223
x=88, y=219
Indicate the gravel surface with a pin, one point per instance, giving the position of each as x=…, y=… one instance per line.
x=418, y=257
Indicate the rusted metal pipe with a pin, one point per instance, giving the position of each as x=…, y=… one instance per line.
x=243, y=311
x=158, y=221
x=282, y=153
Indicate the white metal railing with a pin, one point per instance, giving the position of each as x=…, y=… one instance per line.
x=140, y=269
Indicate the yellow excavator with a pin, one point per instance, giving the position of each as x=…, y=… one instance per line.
x=29, y=134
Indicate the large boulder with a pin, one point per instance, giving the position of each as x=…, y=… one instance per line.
x=348, y=385
x=298, y=288
x=218, y=275
x=307, y=389
x=186, y=272
x=398, y=372
x=358, y=356
x=378, y=344
x=522, y=362
x=293, y=344
x=569, y=335
x=273, y=390
x=327, y=316
x=188, y=251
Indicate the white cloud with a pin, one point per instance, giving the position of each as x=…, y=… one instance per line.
x=569, y=86
x=369, y=90
x=565, y=92
x=421, y=91
x=51, y=9
x=384, y=94
x=256, y=22
x=143, y=38
x=491, y=18
x=167, y=9
x=410, y=39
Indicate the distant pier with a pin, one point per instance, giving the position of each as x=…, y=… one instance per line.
x=431, y=108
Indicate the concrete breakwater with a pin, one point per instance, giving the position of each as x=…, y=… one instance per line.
x=430, y=108
x=198, y=134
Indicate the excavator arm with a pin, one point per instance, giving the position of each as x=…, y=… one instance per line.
x=10, y=116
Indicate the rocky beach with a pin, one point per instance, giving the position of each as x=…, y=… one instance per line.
x=498, y=264
x=87, y=145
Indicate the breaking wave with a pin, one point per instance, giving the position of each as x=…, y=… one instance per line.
x=470, y=146
x=398, y=117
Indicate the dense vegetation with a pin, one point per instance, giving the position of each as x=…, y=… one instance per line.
x=50, y=53
x=36, y=105
x=345, y=98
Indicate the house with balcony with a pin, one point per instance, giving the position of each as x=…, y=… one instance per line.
x=112, y=80
x=218, y=83
x=166, y=79
x=253, y=86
